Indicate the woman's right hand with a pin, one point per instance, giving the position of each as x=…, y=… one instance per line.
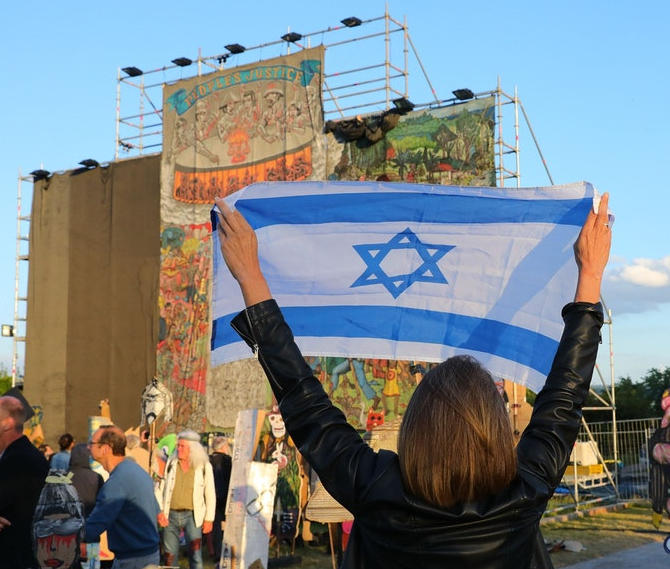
x=239, y=248
x=592, y=250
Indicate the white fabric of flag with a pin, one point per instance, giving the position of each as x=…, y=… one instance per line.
x=412, y=272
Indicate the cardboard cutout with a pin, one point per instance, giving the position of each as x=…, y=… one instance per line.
x=58, y=525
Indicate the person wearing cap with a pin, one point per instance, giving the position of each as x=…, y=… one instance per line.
x=187, y=497
x=23, y=470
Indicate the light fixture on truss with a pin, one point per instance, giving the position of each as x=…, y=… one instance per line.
x=463, y=94
x=182, y=61
x=132, y=71
x=292, y=37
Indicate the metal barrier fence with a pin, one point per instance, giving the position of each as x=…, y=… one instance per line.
x=609, y=464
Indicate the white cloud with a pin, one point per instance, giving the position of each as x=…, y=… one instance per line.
x=644, y=272
x=639, y=286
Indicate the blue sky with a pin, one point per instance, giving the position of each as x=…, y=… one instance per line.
x=590, y=76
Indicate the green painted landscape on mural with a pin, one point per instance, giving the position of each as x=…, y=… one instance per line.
x=449, y=145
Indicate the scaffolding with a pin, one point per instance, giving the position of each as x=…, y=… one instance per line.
x=368, y=88
x=379, y=79
x=18, y=330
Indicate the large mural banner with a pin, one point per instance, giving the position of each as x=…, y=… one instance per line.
x=183, y=329
x=451, y=145
x=244, y=125
x=221, y=132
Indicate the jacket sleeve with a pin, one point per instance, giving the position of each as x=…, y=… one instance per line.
x=343, y=461
x=545, y=446
x=265, y=331
x=210, y=493
x=163, y=489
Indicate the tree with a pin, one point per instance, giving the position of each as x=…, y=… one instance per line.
x=5, y=379
x=635, y=399
x=655, y=383
x=632, y=400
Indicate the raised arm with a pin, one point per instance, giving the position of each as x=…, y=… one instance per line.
x=330, y=444
x=545, y=446
x=239, y=248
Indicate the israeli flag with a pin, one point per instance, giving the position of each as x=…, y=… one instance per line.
x=412, y=272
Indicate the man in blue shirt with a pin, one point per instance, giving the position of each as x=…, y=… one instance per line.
x=126, y=506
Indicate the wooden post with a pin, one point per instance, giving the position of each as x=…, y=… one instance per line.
x=332, y=545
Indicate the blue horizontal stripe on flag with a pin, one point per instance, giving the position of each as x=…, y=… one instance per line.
x=514, y=343
x=414, y=207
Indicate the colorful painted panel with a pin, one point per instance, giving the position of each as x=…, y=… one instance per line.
x=451, y=145
x=183, y=336
x=243, y=125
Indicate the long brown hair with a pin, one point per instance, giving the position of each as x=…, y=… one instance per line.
x=455, y=443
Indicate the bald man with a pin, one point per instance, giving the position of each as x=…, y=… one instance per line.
x=23, y=469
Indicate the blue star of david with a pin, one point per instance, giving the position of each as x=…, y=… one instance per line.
x=428, y=271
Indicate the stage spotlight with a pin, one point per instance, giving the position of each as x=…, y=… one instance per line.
x=89, y=163
x=403, y=105
x=132, y=71
x=40, y=175
x=292, y=37
x=463, y=94
x=235, y=48
x=7, y=330
x=352, y=22
x=182, y=61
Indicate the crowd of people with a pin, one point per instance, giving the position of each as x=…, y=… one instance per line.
x=53, y=514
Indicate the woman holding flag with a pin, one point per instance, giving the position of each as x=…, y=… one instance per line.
x=458, y=493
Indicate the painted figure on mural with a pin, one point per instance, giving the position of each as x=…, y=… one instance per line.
x=231, y=131
x=182, y=138
x=205, y=123
x=249, y=113
x=391, y=389
x=227, y=120
x=313, y=100
x=294, y=120
x=271, y=128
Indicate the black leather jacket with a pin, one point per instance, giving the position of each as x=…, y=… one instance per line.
x=393, y=528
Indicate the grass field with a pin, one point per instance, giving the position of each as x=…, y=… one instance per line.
x=604, y=532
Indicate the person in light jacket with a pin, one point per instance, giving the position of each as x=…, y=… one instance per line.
x=187, y=498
